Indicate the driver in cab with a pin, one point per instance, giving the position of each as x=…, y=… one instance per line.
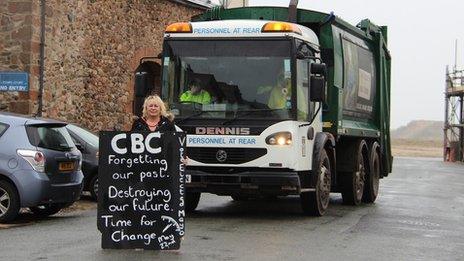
x=196, y=94
x=280, y=94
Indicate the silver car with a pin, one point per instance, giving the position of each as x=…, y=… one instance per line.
x=40, y=167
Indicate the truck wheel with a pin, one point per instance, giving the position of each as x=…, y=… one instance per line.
x=315, y=203
x=9, y=202
x=353, y=182
x=191, y=201
x=47, y=210
x=371, y=189
x=93, y=187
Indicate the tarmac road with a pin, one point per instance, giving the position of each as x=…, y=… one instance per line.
x=419, y=215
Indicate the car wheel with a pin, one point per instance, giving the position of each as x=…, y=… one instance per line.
x=191, y=201
x=93, y=187
x=47, y=210
x=9, y=202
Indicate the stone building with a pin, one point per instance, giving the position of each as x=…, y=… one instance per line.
x=94, y=52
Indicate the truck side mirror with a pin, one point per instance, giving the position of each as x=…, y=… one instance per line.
x=319, y=68
x=318, y=90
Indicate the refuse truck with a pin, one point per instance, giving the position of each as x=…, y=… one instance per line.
x=280, y=101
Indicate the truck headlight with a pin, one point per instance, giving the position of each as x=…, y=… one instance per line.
x=280, y=138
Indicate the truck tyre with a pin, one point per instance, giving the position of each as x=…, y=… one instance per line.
x=191, y=201
x=93, y=187
x=47, y=210
x=353, y=182
x=9, y=202
x=371, y=188
x=315, y=203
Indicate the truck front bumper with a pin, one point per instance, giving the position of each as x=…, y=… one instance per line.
x=246, y=182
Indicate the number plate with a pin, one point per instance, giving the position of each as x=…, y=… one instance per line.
x=66, y=166
x=188, y=178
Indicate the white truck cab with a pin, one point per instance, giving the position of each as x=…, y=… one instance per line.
x=257, y=130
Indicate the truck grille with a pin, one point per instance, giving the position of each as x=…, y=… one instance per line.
x=225, y=155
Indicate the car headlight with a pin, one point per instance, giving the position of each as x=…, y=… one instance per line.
x=279, y=138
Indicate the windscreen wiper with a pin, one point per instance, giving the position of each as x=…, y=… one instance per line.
x=198, y=113
x=190, y=116
x=247, y=112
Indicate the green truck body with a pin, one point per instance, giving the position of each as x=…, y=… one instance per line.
x=301, y=104
x=344, y=115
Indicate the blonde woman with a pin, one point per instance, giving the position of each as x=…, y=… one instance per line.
x=154, y=116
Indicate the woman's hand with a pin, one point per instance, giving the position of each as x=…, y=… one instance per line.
x=185, y=160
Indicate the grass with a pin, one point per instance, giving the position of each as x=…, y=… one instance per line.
x=417, y=148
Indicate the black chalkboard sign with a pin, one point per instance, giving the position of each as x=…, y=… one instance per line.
x=141, y=190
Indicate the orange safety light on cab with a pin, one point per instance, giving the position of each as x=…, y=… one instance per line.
x=280, y=27
x=179, y=28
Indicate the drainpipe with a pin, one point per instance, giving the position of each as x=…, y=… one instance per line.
x=292, y=9
x=41, y=57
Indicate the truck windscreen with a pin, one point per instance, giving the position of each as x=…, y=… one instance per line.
x=246, y=79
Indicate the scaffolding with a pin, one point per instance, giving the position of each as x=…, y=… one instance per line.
x=454, y=123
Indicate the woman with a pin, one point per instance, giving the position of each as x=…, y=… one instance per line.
x=154, y=116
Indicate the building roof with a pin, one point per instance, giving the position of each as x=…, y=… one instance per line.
x=200, y=4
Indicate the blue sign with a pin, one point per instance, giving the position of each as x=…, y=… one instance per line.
x=14, y=81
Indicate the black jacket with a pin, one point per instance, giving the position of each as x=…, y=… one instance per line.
x=164, y=125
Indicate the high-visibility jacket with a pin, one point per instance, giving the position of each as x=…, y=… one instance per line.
x=203, y=97
x=280, y=98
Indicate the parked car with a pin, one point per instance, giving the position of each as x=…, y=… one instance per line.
x=87, y=143
x=40, y=166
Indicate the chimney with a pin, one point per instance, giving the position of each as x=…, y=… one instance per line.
x=292, y=9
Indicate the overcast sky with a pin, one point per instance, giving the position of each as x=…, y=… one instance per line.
x=421, y=39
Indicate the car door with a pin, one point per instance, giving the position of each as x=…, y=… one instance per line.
x=4, y=157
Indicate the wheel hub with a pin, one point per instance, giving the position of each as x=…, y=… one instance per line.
x=324, y=186
x=360, y=177
x=95, y=187
x=4, y=202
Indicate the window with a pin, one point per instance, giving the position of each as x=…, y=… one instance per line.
x=302, y=85
x=305, y=108
x=50, y=137
x=84, y=134
x=3, y=128
x=246, y=79
x=359, y=80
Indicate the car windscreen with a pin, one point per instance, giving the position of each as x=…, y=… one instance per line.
x=84, y=134
x=54, y=137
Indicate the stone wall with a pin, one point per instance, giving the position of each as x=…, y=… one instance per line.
x=17, y=21
x=92, y=49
